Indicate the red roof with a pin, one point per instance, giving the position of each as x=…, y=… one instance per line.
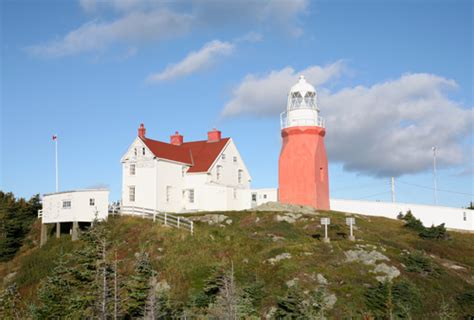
x=200, y=155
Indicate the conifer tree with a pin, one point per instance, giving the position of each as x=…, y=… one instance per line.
x=138, y=286
x=53, y=293
x=11, y=305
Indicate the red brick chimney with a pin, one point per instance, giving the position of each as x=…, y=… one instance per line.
x=176, y=139
x=141, y=131
x=214, y=135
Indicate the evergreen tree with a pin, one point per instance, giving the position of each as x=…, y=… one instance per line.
x=54, y=293
x=11, y=305
x=16, y=218
x=138, y=286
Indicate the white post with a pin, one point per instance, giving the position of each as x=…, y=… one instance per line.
x=325, y=232
x=192, y=228
x=56, y=158
x=165, y=218
x=154, y=215
x=393, y=189
x=435, y=194
x=178, y=222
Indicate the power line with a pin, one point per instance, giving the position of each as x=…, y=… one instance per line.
x=431, y=188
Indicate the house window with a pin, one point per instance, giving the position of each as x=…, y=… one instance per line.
x=66, y=204
x=135, y=151
x=464, y=216
x=132, y=169
x=264, y=196
x=240, y=173
x=191, y=195
x=168, y=194
x=223, y=156
x=234, y=159
x=92, y=202
x=183, y=171
x=254, y=197
x=235, y=193
x=218, y=172
x=143, y=151
x=131, y=193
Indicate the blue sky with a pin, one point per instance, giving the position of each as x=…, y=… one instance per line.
x=394, y=78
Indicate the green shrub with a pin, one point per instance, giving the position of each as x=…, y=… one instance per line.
x=435, y=232
x=419, y=263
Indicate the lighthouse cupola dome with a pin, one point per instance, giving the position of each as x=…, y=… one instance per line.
x=302, y=95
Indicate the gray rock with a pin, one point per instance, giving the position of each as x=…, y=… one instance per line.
x=368, y=258
x=389, y=271
x=279, y=257
x=321, y=279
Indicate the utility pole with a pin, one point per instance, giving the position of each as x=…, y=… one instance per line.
x=393, y=189
x=435, y=184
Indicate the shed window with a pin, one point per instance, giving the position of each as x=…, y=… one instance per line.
x=66, y=204
x=131, y=193
x=92, y=202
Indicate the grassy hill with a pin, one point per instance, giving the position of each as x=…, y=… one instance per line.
x=388, y=271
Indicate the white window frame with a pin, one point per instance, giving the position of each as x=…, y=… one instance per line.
x=131, y=193
x=218, y=172
x=234, y=159
x=223, y=156
x=143, y=150
x=67, y=204
x=191, y=196
x=91, y=201
x=240, y=174
x=133, y=169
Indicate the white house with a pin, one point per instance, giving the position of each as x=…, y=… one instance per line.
x=68, y=209
x=185, y=176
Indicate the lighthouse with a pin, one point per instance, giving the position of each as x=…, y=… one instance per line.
x=303, y=164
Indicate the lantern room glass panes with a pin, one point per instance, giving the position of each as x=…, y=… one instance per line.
x=298, y=101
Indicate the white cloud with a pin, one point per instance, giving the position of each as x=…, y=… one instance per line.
x=266, y=94
x=383, y=130
x=194, y=61
x=149, y=21
x=133, y=28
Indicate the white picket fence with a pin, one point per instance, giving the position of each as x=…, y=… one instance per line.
x=163, y=217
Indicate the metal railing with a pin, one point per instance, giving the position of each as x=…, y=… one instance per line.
x=284, y=123
x=166, y=218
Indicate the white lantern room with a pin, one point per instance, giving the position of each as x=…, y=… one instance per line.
x=302, y=106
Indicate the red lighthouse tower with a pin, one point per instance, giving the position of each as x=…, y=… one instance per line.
x=303, y=165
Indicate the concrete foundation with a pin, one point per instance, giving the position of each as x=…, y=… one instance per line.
x=58, y=229
x=44, y=234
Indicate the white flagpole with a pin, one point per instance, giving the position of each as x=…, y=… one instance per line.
x=56, y=156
